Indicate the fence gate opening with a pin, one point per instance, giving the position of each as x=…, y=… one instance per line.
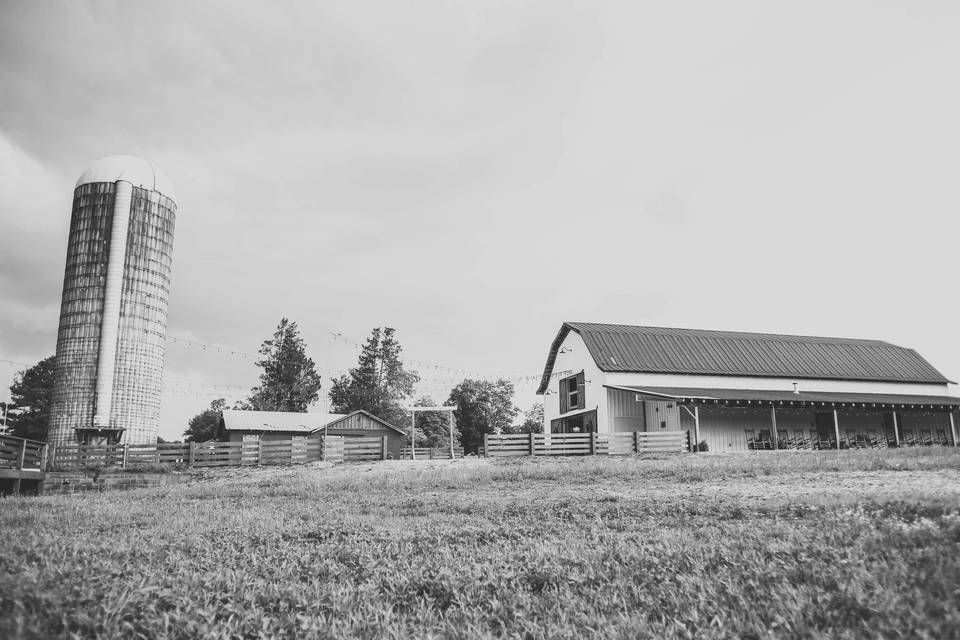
x=413, y=428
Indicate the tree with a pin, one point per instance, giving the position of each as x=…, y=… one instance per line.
x=31, y=395
x=379, y=384
x=433, y=427
x=289, y=381
x=532, y=420
x=206, y=424
x=482, y=407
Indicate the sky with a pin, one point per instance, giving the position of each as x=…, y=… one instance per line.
x=474, y=174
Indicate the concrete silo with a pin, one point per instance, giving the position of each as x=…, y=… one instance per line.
x=113, y=316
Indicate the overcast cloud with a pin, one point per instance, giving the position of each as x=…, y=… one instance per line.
x=474, y=173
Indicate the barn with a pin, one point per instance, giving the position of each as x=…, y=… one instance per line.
x=252, y=426
x=735, y=391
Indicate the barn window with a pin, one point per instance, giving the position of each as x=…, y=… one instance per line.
x=572, y=393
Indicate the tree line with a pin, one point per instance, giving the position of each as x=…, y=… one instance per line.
x=379, y=384
x=289, y=381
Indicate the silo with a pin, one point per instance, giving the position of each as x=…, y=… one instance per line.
x=113, y=315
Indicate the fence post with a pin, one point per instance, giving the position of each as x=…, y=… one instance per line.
x=51, y=457
x=123, y=463
x=260, y=451
x=486, y=445
x=192, y=455
x=533, y=450
x=23, y=453
x=43, y=459
x=383, y=447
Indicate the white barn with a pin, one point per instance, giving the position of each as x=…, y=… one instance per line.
x=736, y=391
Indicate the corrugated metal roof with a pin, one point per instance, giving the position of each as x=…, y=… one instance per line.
x=727, y=353
x=731, y=395
x=236, y=420
x=287, y=421
x=334, y=423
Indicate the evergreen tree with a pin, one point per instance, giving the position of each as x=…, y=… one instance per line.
x=482, y=407
x=31, y=395
x=379, y=383
x=289, y=381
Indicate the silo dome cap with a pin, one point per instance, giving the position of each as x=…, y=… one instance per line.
x=132, y=169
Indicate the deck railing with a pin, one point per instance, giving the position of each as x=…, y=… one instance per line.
x=581, y=444
x=20, y=453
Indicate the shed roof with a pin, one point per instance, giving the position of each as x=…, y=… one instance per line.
x=635, y=349
x=289, y=421
x=273, y=421
x=780, y=398
x=343, y=418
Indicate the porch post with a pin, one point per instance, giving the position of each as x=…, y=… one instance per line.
x=953, y=430
x=696, y=426
x=896, y=429
x=773, y=427
x=836, y=428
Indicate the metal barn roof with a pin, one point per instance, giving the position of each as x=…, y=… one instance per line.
x=288, y=421
x=237, y=420
x=727, y=353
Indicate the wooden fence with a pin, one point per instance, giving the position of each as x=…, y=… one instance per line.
x=219, y=454
x=435, y=453
x=583, y=444
x=365, y=448
x=192, y=454
x=17, y=453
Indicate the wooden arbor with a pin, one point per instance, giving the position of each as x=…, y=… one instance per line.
x=413, y=424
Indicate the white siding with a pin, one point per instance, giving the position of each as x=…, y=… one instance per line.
x=575, y=359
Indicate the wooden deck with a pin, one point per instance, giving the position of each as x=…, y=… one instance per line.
x=21, y=460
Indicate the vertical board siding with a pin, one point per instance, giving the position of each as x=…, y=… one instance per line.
x=624, y=412
x=660, y=412
x=723, y=428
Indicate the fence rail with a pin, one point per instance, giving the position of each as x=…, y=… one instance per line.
x=192, y=454
x=431, y=453
x=365, y=448
x=582, y=444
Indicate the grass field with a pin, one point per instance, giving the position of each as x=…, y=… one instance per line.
x=849, y=544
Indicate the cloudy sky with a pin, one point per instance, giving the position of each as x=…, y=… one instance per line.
x=475, y=173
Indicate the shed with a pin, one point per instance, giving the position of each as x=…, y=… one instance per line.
x=245, y=426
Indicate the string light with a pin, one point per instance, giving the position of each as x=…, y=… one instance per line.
x=459, y=374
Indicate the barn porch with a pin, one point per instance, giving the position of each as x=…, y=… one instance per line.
x=741, y=419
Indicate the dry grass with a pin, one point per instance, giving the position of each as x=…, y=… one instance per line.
x=855, y=544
